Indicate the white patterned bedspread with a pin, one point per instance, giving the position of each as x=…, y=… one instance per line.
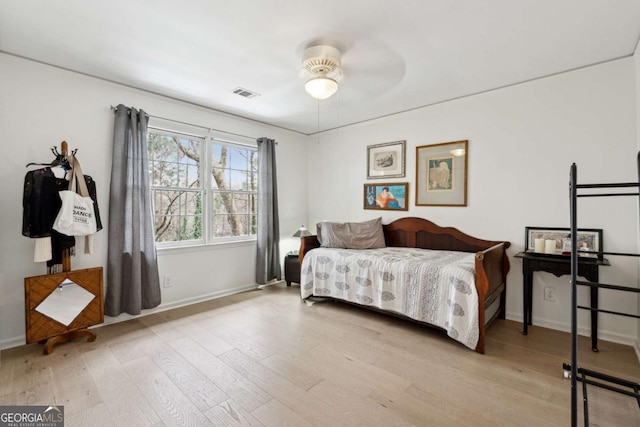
x=436, y=287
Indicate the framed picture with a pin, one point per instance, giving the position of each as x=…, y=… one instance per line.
x=441, y=174
x=390, y=197
x=386, y=160
x=588, y=240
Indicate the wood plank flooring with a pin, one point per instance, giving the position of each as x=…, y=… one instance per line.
x=264, y=358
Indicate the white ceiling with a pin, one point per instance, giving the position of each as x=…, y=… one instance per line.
x=396, y=55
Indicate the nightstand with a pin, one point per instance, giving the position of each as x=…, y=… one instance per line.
x=291, y=269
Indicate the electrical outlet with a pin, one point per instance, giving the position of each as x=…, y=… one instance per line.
x=168, y=281
x=549, y=293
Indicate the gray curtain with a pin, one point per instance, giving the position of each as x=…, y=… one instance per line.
x=268, y=260
x=132, y=269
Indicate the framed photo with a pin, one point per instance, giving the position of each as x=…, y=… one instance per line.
x=441, y=174
x=589, y=240
x=386, y=160
x=389, y=197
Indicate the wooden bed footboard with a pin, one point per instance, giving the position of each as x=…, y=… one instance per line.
x=492, y=266
x=491, y=260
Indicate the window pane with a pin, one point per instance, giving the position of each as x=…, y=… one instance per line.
x=187, y=176
x=174, y=161
x=220, y=178
x=221, y=226
x=237, y=211
x=241, y=203
x=233, y=225
x=234, y=172
x=178, y=215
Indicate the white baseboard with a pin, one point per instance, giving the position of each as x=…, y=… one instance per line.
x=12, y=342
x=582, y=330
x=177, y=304
x=21, y=340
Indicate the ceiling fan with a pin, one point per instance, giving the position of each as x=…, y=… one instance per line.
x=321, y=64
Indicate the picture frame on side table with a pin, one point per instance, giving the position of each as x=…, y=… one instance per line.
x=441, y=174
x=589, y=240
x=389, y=196
x=386, y=160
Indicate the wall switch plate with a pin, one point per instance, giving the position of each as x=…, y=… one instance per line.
x=549, y=293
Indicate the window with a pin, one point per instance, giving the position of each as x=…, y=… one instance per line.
x=204, y=189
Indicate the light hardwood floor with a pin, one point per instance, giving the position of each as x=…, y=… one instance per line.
x=265, y=358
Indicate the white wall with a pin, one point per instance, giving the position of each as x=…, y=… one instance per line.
x=522, y=141
x=40, y=106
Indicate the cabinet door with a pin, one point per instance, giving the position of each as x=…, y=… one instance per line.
x=59, y=303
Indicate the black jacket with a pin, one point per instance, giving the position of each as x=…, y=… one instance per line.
x=41, y=201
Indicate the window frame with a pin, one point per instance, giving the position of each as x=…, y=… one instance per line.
x=205, y=188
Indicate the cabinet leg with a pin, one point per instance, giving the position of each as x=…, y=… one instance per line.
x=48, y=345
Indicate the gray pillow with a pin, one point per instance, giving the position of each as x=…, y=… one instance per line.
x=351, y=235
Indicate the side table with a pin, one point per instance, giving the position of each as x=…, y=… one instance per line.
x=291, y=269
x=559, y=266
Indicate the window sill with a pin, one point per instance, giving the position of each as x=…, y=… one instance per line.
x=205, y=247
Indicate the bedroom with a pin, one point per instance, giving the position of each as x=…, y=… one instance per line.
x=522, y=140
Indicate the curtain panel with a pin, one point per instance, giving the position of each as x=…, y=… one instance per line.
x=268, y=251
x=133, y=282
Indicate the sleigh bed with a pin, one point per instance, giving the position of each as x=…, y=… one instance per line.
x=434, y=275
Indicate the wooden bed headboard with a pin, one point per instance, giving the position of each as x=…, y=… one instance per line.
x=413, y=232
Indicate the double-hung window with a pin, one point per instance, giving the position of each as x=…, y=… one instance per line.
x=204, y=189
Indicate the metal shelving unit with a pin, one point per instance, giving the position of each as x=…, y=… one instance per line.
x=578, y=374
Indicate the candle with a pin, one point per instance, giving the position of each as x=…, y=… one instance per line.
x=539, y=245
x=549, y=246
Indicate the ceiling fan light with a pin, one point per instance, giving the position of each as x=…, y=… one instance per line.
x=321, y=87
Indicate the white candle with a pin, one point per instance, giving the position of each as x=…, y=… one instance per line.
x=549, y=246
x=539, y=245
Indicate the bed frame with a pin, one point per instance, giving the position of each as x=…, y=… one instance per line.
x=492, y=263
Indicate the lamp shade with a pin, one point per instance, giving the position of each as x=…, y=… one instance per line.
x=302, y=231
x=321, y=87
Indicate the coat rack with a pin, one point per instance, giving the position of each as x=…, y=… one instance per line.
x=66, y=253
x=48, y=327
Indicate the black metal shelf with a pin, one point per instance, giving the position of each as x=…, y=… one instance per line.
x=577, y=373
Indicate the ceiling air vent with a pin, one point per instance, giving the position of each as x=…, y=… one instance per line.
x=245, y=93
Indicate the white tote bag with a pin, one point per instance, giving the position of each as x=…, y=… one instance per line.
x=76, y=216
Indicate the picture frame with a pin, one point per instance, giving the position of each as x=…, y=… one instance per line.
x=392, y=196
x=386, y=160
x=441, y=174
x=589, y=240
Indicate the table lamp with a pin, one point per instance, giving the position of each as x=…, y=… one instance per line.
x=301, y=232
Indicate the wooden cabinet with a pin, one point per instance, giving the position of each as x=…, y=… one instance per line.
x=60, y=307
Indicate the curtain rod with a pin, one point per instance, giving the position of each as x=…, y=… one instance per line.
x=198, y=126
